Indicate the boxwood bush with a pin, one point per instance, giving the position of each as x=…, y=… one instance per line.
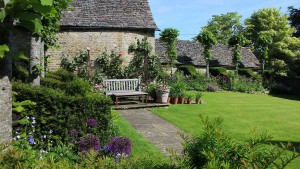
x=57, y=113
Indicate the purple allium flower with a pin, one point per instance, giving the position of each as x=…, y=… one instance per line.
x=89, y=142
x=119, y=145
x=73, y=133
x=31, y=141
x=92, y=123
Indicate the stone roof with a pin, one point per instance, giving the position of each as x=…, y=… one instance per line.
x=132, y=14
x=190, y=53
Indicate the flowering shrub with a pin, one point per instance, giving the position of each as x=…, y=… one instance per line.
x=119, y=146
x=92, y=123
x=163, y=87
x=89, y=142
x=99, y=88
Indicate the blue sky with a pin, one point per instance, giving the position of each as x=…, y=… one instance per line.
x=188, y=16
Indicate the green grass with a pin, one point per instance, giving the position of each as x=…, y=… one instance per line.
x=141, y=148
x=280, y=117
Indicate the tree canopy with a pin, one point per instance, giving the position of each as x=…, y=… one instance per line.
x=270, y=22
x=169, y=36
x=223, y=26
x=294, y=18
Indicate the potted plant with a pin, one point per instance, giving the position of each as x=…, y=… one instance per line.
x=190, y=98
x=175, y=98
x=162, y=92
x=151, y=89
x=181, y=97
x=198, y=97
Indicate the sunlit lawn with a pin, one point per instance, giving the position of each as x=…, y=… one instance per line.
x=242, y=113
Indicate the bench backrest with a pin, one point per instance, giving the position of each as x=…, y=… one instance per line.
x=112, y=85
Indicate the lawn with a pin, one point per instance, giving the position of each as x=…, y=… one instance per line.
x=279, y=116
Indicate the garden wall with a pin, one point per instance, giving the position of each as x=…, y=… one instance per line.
x=72, y=42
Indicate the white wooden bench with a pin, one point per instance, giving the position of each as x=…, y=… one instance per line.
x=121, y=88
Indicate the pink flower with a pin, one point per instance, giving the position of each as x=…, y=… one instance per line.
x=98, y=86
x=120, y=54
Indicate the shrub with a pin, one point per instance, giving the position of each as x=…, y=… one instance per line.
x=188, y=70
x=213, y=148
x=61, y=74
x=242, y=84
x=217, y=71
x=20, y=155
x=248, y=73
x=56, y=113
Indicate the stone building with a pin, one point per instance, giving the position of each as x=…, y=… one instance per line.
x=102, y=26
x=191, y=53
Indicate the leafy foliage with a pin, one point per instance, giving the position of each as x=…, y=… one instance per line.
x=223, y=26
x=207, y=40
x=236, y=42
x=169, y=36
x=213, y=148
x=142, y=63
x=294, y=18
x=269, y=25
x=59, y=113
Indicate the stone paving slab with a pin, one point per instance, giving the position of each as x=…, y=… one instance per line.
x=158, y=131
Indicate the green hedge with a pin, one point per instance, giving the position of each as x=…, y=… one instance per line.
x=55, y=111
x=248, y=73
x=217, y=71
x=188, y=70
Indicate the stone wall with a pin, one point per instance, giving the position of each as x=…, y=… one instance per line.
x=98, y=41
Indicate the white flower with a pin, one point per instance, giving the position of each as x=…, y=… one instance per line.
x=33, y=122
x=51, y=131
x=45, y=136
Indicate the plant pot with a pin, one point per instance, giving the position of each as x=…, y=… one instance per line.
x=181, y=100
x=189, y=101
x=175, y=100
x=198, y=101
x=164, y=95
x=169, y=100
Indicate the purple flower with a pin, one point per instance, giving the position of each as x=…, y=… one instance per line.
x=31, y=141
x=89, y=142
x=73, y=133
x=119, y=145
x=92, y=123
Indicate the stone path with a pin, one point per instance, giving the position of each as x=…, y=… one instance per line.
x=158, y=131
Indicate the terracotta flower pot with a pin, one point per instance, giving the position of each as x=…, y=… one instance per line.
x=169, y=100
x=189, y=101
x=175, y=100
x=181, y=100
x=198, y=101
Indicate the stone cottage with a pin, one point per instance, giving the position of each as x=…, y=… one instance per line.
x=191, y=53
x=102, y=26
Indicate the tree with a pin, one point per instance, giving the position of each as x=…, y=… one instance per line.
x=223, y=26
x=236, y=42
x=207, y=40
x=29, y=15
x=262, y=49
x=169, y=36
x=269, y=22
x=294, y=19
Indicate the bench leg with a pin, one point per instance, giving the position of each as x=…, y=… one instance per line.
x=117, y=99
